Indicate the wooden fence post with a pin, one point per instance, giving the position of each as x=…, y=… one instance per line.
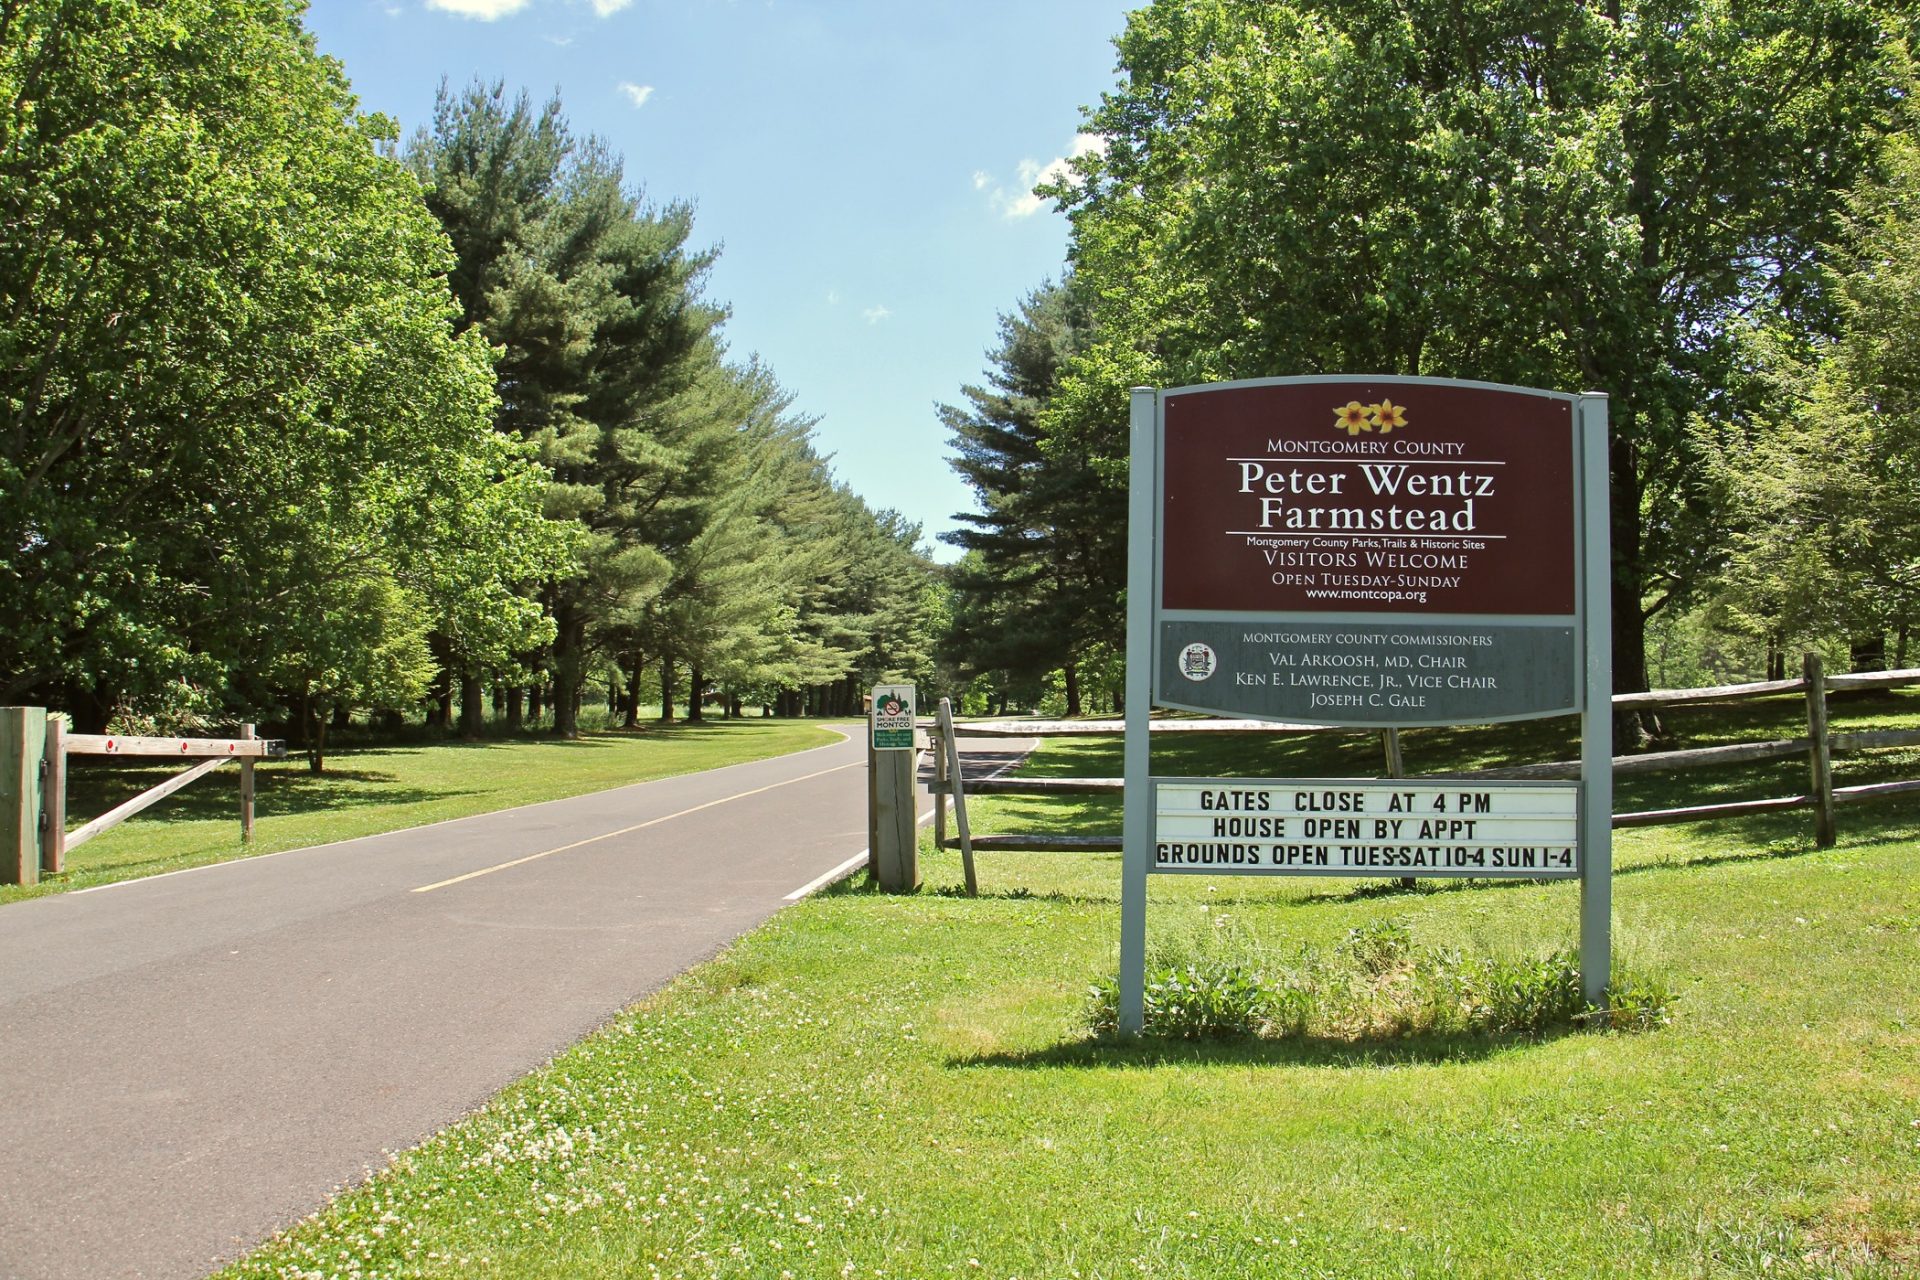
x=895, y=860
x=246, y=790
x=873, y=805
x=1396, y=768
x=23, y=749
x=53, y=848
x=1819, y=752
x=1396, y=763
x=937, y=741
x=959, y=786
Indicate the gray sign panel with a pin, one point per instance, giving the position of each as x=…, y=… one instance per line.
x=1368, y=673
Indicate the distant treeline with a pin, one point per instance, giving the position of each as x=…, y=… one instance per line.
x=1707, y=211
x=298, y=420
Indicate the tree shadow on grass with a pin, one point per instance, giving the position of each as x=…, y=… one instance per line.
x=1149, y=1052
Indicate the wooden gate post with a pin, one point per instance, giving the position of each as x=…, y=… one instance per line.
x=246, y=790
x=1819, y=753
x=23, y=749
x=53, y=848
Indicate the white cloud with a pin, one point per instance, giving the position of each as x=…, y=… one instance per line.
x=607, y=8
x=833, y=297
x=484, y=10
x=1024, y=203
x=875, y=314
x=1088, y=144
x=637, y=94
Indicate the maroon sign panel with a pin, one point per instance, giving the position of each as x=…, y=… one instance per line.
x=1368, y=497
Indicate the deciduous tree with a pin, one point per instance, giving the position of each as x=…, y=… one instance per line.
x=1585, y=197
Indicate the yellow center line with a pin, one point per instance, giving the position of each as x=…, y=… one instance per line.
x=638, y=826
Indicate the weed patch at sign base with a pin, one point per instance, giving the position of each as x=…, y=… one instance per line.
x=1377, y=984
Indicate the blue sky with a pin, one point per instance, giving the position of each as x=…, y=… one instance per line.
x=863, y=166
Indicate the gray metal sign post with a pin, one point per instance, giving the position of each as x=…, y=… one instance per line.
x=1596, y=720
x=1438, y=553
x=1137, y=814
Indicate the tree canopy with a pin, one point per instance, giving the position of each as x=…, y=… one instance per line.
x=238, y=425
x=297, y=421
x=1596, y=198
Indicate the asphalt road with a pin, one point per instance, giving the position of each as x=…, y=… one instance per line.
x=191, y=1062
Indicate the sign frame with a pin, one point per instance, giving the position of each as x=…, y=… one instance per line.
x=1593, y=662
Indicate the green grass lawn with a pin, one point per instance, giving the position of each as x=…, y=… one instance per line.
x=905, y=1087
x=367, y=791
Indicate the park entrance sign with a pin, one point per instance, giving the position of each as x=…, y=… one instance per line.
x=1368, y=552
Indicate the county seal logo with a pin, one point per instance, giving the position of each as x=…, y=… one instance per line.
x=1198, y=661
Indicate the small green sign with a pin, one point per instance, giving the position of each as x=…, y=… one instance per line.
x=893, y=717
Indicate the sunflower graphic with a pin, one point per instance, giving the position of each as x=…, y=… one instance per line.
x=1386, y=415
x=1353, y=418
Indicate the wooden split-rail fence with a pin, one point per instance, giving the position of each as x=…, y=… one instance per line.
x=1819, y=746
x=34, y=748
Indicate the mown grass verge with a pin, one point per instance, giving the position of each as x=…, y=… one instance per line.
x=875, y=1086
x=384, y=788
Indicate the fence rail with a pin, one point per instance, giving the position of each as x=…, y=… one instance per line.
x=1819, y=746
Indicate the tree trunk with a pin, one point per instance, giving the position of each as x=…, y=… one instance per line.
x=440, y=692
x=88, y=710
x=696, y=685
x=635, y=666
x=666, y=687
x=569, y=669
x=473, y=711
x=1073, y=688
x=516, y=708
x=1632, y=729
x=343, y=717
x=313, y=727
x=536, y=700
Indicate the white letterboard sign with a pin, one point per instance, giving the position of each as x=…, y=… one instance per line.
x=1365, y=827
